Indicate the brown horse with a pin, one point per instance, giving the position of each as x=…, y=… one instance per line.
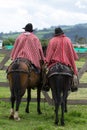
x=22, y=75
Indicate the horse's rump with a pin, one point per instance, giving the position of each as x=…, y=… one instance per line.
x=25, y=70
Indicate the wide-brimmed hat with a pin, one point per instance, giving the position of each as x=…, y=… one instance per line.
x=58, y=31
x=29, y=27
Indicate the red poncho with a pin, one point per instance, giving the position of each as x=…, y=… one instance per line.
x=28, y=46
x=60, y=49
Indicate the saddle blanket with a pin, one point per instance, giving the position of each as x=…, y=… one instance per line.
x=60, y=69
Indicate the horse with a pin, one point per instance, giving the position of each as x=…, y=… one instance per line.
x=22, y=75
x=59, y=79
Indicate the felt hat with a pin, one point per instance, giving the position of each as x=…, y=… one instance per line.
x=58, y=31
x=29, y=27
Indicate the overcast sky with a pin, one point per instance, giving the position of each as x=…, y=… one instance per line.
x=15, y=14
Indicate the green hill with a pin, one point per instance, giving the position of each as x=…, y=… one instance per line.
x=76, y=32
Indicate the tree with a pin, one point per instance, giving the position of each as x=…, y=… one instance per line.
x=8, y=41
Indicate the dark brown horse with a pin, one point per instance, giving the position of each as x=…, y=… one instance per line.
x=59, y=80
x=22, y=75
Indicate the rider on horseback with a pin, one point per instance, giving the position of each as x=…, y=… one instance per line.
x=28, y=46
x=60, y=50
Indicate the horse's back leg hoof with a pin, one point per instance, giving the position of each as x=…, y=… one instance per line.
x=65, y=111
x=11, y=117
x=39, y=112
x=56, y=123
x=26, y=110
x=62, y=123
x=11, y=114
x=17, y=119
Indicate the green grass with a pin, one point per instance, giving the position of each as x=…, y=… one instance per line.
x=75, y=119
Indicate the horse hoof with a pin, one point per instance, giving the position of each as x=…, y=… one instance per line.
x=39, y=112
x=62, y=123
x=17, y=119
x=65, y=111
x=11, y=117
x=27, y=111
x=56, y=123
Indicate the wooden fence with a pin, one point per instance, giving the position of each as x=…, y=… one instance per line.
x=46, y=95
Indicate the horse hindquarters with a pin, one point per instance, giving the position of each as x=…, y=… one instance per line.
x=18, y=83
x=59, y=93
x=54, y=83
x=22, y=77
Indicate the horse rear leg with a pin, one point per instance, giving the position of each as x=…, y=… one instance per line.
x=65, y=110
x=64, y=104
x=18, y=101
x=38, y=100
x=62, y=113
x=12, y=107
x=28, y=100
x=57, y=99
x=56, y=114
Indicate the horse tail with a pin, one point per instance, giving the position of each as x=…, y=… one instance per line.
x=63, y=80
x=16, y=80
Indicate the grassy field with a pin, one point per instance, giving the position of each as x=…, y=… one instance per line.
x=75, y=119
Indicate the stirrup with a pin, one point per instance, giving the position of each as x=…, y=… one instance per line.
x=45, y=88
x=74, y=89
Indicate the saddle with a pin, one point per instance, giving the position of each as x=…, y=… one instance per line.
x=60, y=69
x=27, y=62
x=57, y=69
